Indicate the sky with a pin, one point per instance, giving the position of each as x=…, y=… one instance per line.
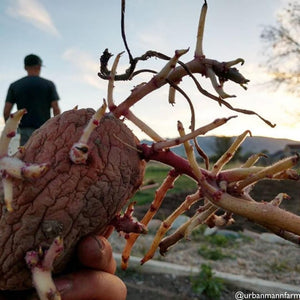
x=71, y=35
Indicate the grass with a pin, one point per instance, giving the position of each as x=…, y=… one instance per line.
x=217, y=246
x=279, y=265
x=213, y=253
x=220, y=240
x=214, y=245
x=156, y=173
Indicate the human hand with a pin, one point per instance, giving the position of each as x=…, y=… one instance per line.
x=94, y=280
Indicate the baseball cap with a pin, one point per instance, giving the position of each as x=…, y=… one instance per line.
x=32, y=60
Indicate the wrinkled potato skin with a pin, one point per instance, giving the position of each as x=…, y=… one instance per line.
x=69, y=200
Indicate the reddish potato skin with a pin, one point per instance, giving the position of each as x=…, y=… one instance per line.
x=69, y=200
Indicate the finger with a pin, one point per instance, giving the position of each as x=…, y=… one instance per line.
x=91, y=284
x=95, y=252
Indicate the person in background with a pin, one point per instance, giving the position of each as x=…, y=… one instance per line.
x=34, y=93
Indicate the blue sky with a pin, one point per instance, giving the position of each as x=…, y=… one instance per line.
x=70, y=36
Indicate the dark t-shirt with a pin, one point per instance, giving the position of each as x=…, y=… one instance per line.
x=35, y=94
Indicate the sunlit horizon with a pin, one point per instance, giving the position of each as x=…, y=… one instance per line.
x=71, y=44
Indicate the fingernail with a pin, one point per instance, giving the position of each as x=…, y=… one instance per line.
x=99, y=242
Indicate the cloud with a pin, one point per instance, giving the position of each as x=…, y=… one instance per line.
x=148, y=39
x=33, y=12
x=87, y=66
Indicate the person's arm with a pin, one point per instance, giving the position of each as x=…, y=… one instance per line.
x=7, y=110
x=55, y=107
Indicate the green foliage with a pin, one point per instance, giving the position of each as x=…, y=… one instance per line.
x=221, y=240
x=214, y=253
x=205, y=283
x=222, y=144
x=212, y=246
x=198, y=233
x=279, y=265
x=217, y=239
x=156, y=173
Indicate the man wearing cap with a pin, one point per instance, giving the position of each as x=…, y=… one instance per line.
x=36, y=94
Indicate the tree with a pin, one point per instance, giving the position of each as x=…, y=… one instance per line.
x=283, y=49
x=222, y=144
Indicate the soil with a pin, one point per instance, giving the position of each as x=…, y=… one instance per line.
x=249, y=255
x=166, y=287
x=265, y=190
